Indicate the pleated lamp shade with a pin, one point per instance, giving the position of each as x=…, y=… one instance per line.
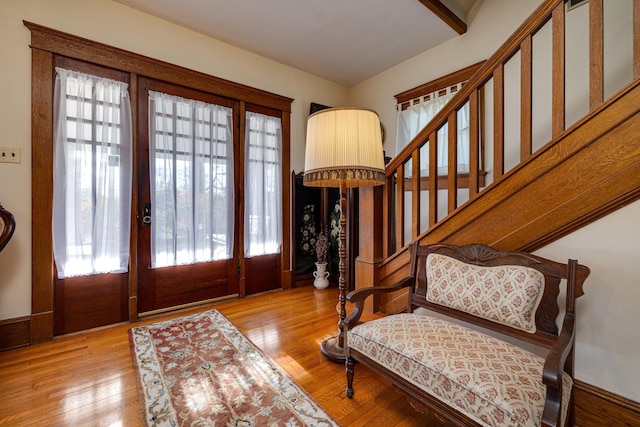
x=344, y=145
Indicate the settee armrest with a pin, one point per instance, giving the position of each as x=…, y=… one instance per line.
x=358, y=297
x=553, y=371
x=557, y=356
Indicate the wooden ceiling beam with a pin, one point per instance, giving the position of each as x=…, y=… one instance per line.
x=444, y=13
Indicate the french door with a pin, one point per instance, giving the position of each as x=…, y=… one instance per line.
x=91, y=196
x=186, y=191
x=192, y=161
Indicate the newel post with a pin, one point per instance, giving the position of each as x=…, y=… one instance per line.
x=370, y=226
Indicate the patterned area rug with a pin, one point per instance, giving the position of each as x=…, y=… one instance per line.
x=200, y=370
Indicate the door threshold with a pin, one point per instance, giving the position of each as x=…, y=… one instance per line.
x=188, y=305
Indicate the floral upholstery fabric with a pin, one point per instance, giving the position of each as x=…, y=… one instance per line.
x=507, y=294
x=492, y=382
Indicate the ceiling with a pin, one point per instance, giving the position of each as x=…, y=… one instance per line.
x=344, y=41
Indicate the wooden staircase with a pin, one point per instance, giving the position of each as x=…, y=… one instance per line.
x=585, y=172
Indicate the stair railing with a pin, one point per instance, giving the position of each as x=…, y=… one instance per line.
x=405, y=182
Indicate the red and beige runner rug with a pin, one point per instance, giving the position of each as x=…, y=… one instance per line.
x=200, y=370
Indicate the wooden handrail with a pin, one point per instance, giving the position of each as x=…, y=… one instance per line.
x=8, y=227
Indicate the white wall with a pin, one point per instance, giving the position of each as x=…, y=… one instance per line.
x=608, y=348
x=114, y=24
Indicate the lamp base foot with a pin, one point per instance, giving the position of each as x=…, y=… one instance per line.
x=332, y=350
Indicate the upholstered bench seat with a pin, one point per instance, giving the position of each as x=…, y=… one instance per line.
x=489, y=380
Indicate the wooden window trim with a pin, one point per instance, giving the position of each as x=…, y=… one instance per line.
x=58, y=42
x=438, y=84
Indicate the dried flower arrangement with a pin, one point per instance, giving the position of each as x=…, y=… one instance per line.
x=322, y=246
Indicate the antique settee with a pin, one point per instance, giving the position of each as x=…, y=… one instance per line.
x=479, y=342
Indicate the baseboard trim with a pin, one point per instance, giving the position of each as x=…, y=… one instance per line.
x=14, y=333
x=595, y=407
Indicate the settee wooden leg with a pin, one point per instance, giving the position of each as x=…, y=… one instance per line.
x=349, y=366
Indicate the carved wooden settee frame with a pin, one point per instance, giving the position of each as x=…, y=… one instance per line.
x=546, y=334
x=8, y=226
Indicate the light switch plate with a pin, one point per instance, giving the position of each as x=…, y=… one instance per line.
x=10, y=155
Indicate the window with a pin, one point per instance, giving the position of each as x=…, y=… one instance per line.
x=92, y=174
x=417, y=113
x=263, y=176
x=416, y=107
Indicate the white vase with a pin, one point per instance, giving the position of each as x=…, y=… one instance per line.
x=321, y=275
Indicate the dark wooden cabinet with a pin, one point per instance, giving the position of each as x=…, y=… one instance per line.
x=317, y=209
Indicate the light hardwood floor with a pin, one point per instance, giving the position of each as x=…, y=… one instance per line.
x=88, y=379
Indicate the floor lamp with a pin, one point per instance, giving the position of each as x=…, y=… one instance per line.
x=344, y=150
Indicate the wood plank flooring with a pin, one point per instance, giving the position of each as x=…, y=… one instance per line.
x=88, y=379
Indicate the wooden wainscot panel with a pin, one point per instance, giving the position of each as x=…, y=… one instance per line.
x=14, y=333
x=367, y=275
x=595, y=407
x=391, y=272
x=41, y=327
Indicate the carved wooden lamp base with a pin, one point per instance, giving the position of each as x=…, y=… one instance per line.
x=332, y=350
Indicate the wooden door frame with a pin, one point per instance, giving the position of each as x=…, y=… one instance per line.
x=109, y=292
x=286, y=278
x=46, y=44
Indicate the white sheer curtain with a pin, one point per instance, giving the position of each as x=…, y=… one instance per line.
x=419, y=113
x=191, y=178
x=263, y=185
x=92, y=174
